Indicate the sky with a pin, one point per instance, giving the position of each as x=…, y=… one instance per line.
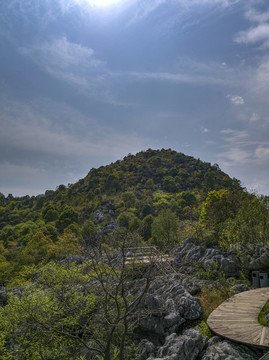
x=86, y=82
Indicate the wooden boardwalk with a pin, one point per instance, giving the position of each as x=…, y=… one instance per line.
x=237, y=318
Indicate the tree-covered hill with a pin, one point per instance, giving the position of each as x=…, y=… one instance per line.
x=155, y=193
x=144, y=174
x=59, y=306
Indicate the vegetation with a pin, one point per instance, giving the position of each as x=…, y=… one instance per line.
x=262, y=314
x=155, y=193
x=234, y=217
x=56, y=307
x=66, y=307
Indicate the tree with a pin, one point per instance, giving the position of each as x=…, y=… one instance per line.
x=67, y=217
x=39, y=248
x=249, y=226
x=165, y=228
x=234, y=217
x=69, y=309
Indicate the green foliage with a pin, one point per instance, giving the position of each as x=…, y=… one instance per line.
x=165, y=228
x=146, y=225
x=88, y=232
x=212, y=297
x=229, y=217
x=204, y=329
x=169, y=184
x=134, y=192
x=50, y=213
x=67, y=217
x=39, y=248
x=212, y=272
x=66, y=308
x=46, y=320
x=262, y=315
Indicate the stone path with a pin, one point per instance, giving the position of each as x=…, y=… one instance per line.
x=237, y=318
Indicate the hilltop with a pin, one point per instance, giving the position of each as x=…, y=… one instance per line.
x=148, y=173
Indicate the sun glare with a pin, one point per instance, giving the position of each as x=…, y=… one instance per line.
x=104, y=3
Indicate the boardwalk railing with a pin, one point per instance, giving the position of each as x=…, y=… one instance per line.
x=140, y=253
x=149, y=254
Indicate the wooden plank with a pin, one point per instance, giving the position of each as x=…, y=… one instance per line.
x=237, y=318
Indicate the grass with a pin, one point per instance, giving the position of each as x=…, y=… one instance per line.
x=262, y=314
x=212, y=298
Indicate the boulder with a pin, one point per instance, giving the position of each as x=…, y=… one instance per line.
x=259, y=258
x=99, y=215
x=183, y=347
x=238, y=288
x=192, y=253
x=217, y=349
x=166, y=307
x=108, y=229
x=146, y=349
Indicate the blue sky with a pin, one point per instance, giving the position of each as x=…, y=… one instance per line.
x=84, y=83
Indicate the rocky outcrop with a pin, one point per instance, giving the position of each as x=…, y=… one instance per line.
x=99, y=216
x=255, y=257
x=108, y=229
x=191, y=345
x=166, y=307
x=191, y=253
x=186, y=346
x=224, y=350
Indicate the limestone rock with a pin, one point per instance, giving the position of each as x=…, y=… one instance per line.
x=192, y=253
x=224, y=350
x=146, y=349
x=99, y=215
x=186, y=346
x=240, y=288
x=167, y=306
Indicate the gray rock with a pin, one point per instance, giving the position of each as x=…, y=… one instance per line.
x=224, y=350
x=146, y=349
x=167, y=306
x=108, y=229
x=252, y=257
x=99, y=215
x=240, y=288
x=183, y=347
x=259, y=258
x=190, y=253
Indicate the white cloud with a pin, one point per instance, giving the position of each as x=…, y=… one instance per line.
x=188, y=71
x=235, y=156
x=236, y=151
x=76, y=65
x=256, y=16
x=177, y=77
x=143, y=9
x=42, y=153
x=257, y=34
x=60, y=55
x=235, y=99
x=37, y=133
x=235, y=136
x=261, y=77
x=262, y=153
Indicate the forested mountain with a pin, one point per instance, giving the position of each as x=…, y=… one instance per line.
x=68, y=291
x=161, y=195
x=149, y=177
